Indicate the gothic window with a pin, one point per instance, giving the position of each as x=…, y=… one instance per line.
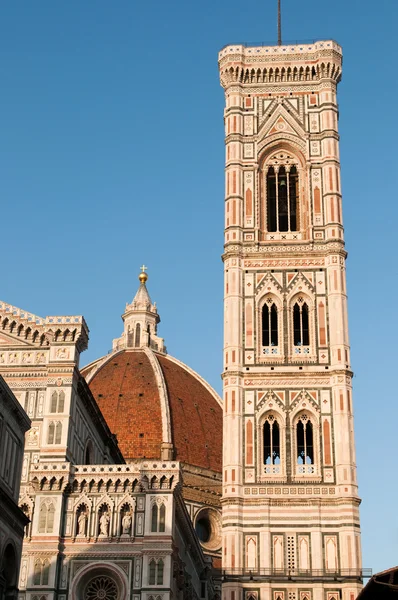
x=137, y=335
x=305, y=457
x=158, y=518
x=282, y=197
x=45, y=572
x=156, y=569
x=37, y=573
x=51, y=431
x=58, y=433
x=54, y=435
x=301, y=335
x=272, y=447
x=46, y=518
x=162, y=518
x=269, y=324
x=57, y=402
x=152, y=572
x=159, y=577
x=154, y=518
x=88, y=453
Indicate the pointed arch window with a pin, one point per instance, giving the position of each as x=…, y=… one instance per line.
x=156, y=570
x=301, y=329
x=282, y=198
x=159, y=577
x=154, y=518
x=271, y=446
x=305, y=457
x=270, y=324
x=152, y=572
x=137, y=335
x=54, y=435
x=158, y=518
x=46, y=518
x=57, y=404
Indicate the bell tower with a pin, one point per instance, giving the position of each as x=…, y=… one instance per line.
x=290, y=499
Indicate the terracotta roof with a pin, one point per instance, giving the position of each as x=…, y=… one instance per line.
x=148, y=398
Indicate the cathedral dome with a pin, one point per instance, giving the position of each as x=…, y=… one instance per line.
x=158, y=407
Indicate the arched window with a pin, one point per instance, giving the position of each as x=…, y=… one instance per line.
x=158, y=518
x=88, y=454
x=301, y=331
x=54, y=402
x=269, y=324
x=51, y=432
x=282, y=198
x=61, y=402
x=156, y=569
x=152, y=572
x=162, y=518
x=57, y=404
x=137, y=335
x=154, y=518
x=58, y=433
x=37, y=573
x=159, y=578
x=46, y=518
x=305, y=458
x=272, y=446
x=45, y=572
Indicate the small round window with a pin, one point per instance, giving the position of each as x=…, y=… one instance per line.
x=208, y=528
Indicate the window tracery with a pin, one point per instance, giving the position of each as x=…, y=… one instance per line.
x=281, y=192
x=101, y=588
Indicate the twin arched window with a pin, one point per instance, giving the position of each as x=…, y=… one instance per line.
x=156, y=569
x=304, y=445
x=57, y=402
x=41, y=572
x=282, y=198
x=158, y=518
x=300, y=326
x=46, y=518
x=54, y=433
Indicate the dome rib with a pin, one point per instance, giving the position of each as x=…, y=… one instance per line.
x=163, y=396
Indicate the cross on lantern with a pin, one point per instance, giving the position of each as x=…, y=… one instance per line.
x=144, y=268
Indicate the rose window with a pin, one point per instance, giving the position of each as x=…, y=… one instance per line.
x=101, y=588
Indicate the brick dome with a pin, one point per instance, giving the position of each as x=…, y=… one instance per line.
x=156, y=404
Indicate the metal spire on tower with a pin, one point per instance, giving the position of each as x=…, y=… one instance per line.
x=279, y=24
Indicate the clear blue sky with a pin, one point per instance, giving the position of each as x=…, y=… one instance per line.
x=111, y=155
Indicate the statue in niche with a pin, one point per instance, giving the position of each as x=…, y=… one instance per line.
x=126, y=524
x=104, y=524
x=81, y=523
